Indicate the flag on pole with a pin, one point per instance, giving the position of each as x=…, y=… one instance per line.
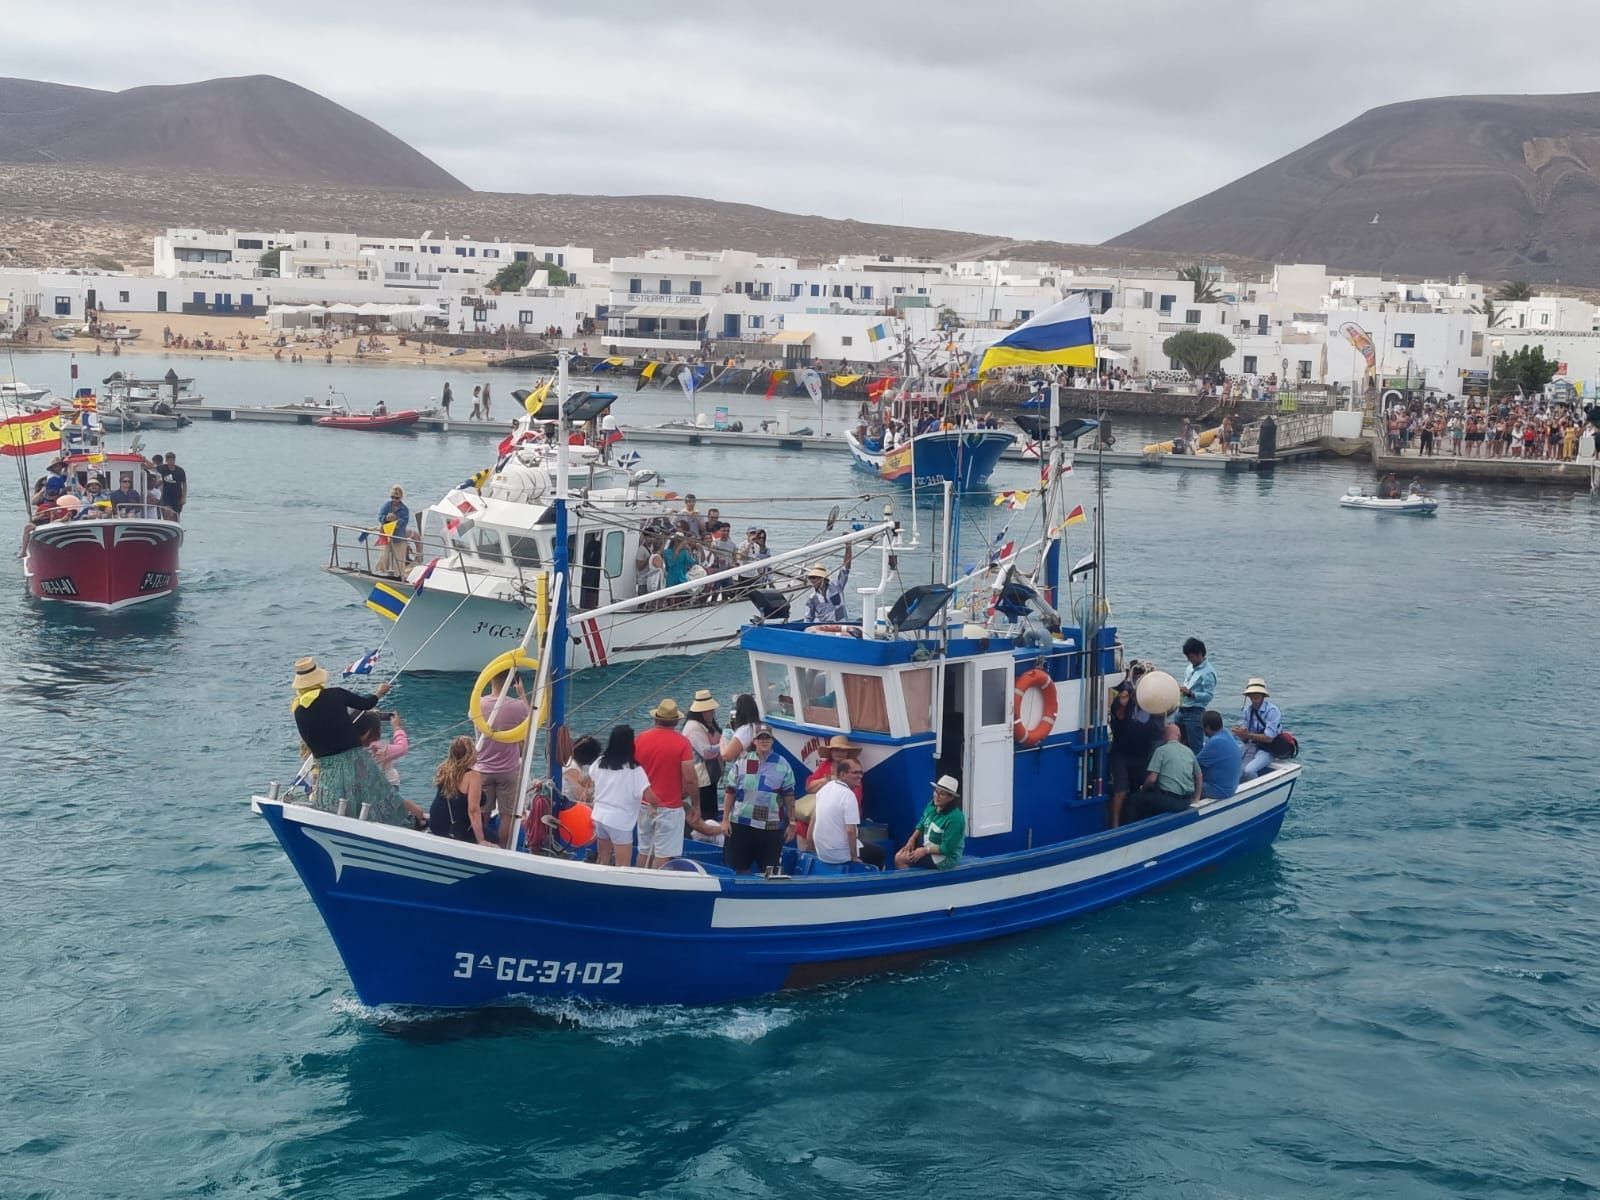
x=535, y=399
x=1076, y=516
x=31, y=433
x=877, y=333
x=629, y=460
x=387, y=601
x=427, y=574
x=362, y=665
x=1083, y=566
x=1062, y=335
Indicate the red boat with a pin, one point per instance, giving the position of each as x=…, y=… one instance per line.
x=100, y=555
x=372, y=421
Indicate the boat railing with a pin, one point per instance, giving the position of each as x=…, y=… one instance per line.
x=356, y=547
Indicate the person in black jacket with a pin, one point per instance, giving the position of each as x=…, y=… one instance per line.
x=1134, y=736
x=345, y=769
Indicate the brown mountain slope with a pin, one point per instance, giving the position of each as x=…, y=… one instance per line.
x=252, y=126
x=63, y=215
x=1495, y=186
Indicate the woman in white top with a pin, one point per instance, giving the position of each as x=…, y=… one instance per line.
x=620, y=787
x=705, y=739
x=741, y=736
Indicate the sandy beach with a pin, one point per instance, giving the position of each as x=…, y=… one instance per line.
x=247, y=337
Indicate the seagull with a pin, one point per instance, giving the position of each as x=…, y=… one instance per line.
x=1374, y=220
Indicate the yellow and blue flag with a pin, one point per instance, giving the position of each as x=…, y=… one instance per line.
x=1062, y=335
x=386, y=601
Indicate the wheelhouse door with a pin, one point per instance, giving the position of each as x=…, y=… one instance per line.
x=986, y=788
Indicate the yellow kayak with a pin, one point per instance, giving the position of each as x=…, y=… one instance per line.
x=1202, y=443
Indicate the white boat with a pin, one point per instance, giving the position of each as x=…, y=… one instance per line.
x=166, y=394
x=1415, y=505
x=25, y=395
x=483, y=551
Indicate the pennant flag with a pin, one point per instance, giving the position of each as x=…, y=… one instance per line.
x=690, y=378
x=877, y=333
x=1003, y=553
x=1011, y=498
x=813, y=384
x=844, y=381
x=427, y=574
x=386, y=601
x=774, y=378
x=1062, y=335
x=535, y=399
x=1075, y=517
x=897, y=463
x=387, y=529
x=646, y=375
x=362, y=665
x=1083, y=566
x=31, y=433
x=628, y=461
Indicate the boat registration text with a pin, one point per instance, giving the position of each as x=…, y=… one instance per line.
x=508, y=969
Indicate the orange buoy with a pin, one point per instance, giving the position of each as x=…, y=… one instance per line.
x=577, y=824
x=1036, y=679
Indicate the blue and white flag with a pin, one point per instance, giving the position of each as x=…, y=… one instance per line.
x=362, y=665
x=628, y=460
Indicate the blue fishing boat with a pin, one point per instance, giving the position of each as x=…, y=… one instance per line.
x=985, y=680
x=965, y=457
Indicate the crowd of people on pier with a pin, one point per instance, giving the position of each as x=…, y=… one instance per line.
x=1531, y=429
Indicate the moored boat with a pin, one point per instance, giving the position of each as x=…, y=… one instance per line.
x=1415, y=504
x=387, y=422
x=1006, y=697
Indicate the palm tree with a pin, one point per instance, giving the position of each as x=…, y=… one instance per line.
x=1205, y=288
x=1517, y=290
x=1494, y=315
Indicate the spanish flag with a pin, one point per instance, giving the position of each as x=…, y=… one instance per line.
x=1062, y=335
x=31, y=433
x=897, y=463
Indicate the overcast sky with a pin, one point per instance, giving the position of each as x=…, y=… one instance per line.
x=1026, y=118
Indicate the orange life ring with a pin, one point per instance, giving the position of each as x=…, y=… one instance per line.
x=1036, y=678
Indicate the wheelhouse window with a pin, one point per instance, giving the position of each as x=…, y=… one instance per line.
x=524, y=550
x=613, y=559
x=485, y=543
x=819, y=697
x=917, y=685
x=772, y=682
x=866, y=702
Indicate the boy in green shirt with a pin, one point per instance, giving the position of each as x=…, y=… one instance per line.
x=941, y=835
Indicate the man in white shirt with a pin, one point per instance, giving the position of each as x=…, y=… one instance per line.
x=836, y=823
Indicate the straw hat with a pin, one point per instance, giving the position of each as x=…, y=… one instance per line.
x=947, y=783
x=703, y=702
x=839, y=742
x=1256, y=686
x=817, y=572
x=308, y=675
x=667, y=710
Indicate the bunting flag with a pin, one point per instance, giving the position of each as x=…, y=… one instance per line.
x=774, y=378
x=877, y=333
x=1012, y=498
x=897, y=463
x=535, y=399
x=1062, y=335
x=607, y=364
x=646, y=375
x=1083, y=566
x=1075, y=517
x=31, y=433
x=427, y=574
x=386, y=529
x=878, y=387
x=385, y=600
x=362, y=665
x=843, y=381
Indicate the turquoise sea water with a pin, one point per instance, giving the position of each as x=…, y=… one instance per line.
x=1398, y=1000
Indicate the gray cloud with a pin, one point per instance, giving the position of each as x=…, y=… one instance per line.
x=1032, y=118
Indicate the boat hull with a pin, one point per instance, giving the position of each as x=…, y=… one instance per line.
x=439, y=631
x=421, y=920
x=966, y=458
x=1422, y=506
x=104, y=564
x=392, y=423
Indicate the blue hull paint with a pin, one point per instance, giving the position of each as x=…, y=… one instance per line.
x=423, y=921
x=966, y=458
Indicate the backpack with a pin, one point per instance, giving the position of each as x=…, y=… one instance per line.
x=1285, y=745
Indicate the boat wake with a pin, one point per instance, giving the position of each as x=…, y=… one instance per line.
x=611, y=1024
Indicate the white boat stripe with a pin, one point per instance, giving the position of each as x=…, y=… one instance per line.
x=738, y=913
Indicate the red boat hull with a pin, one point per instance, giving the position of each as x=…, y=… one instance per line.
x=391, y=422
x=105, y=564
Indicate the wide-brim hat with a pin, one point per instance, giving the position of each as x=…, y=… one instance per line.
x=947, y=783
x=1256, y=687
x=839, y=742
x=817, y=572
x=308, y=675
x=703, y=702
x=667, y=710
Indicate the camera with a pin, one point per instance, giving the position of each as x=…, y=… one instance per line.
x=384, y=716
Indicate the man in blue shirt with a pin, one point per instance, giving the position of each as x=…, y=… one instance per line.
x=1259, y=725
x=1199, y=686
x=1219, y=759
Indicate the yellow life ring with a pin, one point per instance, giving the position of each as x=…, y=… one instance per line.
x=1040, y=679
x=515, y=660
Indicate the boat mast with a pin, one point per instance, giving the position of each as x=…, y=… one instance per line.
x=1051, y=456
x=558, y=616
